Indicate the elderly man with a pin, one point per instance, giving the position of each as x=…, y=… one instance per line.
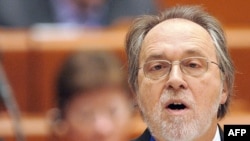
x=181, y=73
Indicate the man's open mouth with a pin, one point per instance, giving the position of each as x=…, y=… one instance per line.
x=176, y=106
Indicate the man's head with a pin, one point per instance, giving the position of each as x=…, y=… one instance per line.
x=181, y=72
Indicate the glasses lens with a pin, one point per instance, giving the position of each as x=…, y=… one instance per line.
x=156, y=69
x=194, y=66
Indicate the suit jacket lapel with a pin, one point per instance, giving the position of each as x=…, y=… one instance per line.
x=144, y=137
x=221, y=133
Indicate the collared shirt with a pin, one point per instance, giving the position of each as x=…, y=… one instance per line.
x=216, y=137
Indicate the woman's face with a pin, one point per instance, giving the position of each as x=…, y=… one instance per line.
x=100, y=115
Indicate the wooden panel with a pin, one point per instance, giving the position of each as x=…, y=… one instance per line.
x=50, y=48
x=229, y=12
x=14, y=57
x=239, y=47
x=16, y=68
x=33, y=60
x=241, y=56
x=33, y=128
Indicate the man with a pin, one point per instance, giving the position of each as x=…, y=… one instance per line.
x=181, y=73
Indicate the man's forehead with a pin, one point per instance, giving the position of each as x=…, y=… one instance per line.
x=176, y=27
x=180, y=32
x=175, y=24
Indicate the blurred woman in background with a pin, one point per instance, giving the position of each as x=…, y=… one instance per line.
x=94, y=101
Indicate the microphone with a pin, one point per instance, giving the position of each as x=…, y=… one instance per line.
x=10, y=103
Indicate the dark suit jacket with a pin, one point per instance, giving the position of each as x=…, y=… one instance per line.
x=24, y=13
x=146, y=135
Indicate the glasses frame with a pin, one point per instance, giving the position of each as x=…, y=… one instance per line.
x=178, y=63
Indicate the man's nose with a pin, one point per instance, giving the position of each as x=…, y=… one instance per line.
x=175, y=77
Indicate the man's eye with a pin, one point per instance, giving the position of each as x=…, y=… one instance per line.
x=157, y=67
x=193, y=65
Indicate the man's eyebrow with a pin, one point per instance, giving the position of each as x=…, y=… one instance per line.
x=194, y=52
x=155, y=57
x=190, y=52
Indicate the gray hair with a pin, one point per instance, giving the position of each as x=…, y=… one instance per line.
x=143, y=24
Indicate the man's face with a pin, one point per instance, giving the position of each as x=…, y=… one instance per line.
x=180, y=106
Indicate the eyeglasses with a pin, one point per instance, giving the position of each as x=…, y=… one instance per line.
x=193, y=66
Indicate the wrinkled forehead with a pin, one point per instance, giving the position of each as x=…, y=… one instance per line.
x=177, y=26
x=177, y=30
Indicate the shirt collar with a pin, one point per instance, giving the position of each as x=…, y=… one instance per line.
x=217, y=135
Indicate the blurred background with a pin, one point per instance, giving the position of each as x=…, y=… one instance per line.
x=37, y=35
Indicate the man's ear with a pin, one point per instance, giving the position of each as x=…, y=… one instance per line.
x=135, y=102
x=57, y=125
x=224, y=93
